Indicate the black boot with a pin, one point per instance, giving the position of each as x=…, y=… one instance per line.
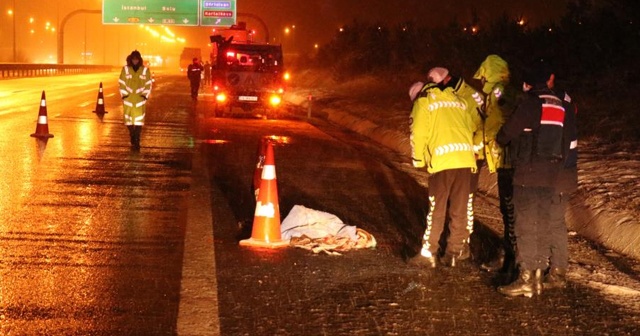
x=426, y=260
x=556, y=278
x=494, y=265
x=524, y=285
x=137, y=130
x=131, y=135
x=422, y=261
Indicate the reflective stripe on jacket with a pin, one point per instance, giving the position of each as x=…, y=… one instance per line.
x=135, y=89
x=441, y=131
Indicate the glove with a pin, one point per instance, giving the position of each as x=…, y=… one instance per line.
x=495, y=149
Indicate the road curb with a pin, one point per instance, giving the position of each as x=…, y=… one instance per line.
x=198, y=308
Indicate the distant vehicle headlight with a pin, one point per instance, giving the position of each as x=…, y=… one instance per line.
x=221, y=97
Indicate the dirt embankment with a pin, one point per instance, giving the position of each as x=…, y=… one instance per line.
x=605, y=209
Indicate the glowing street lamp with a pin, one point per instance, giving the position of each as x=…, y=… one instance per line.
x=289, y=30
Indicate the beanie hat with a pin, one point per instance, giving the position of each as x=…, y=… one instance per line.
x=415, y=89
x=438, y=74
x=538, y=73
x=136, y=54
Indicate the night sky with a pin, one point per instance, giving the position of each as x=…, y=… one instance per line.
x=316, y=21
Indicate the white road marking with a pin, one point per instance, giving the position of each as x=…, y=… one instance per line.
x=198, y=307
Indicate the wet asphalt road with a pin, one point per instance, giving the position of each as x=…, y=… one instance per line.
x=93, y=237
x=91, y=233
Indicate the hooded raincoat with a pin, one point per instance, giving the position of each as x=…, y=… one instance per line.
x=135, y=89
x=500, y=101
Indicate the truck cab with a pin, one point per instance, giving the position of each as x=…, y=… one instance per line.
x=246, y=75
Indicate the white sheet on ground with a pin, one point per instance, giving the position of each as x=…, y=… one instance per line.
x=315, y=224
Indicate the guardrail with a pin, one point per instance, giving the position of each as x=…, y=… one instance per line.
x=16, y=70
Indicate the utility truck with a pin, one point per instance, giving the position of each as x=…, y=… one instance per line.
x=247, y=75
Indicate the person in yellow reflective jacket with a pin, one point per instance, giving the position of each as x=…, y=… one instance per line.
x=499, y=104
x=475, y=107
x=135, y=88
x=442, y=140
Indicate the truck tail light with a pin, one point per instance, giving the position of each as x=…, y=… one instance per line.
x=275, y=100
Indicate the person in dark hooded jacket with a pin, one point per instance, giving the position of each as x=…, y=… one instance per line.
x=566, y=184
x=535, y=134
x=135, y=84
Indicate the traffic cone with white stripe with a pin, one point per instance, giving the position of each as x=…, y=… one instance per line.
x=42, y=128
x=100, y=103
x=266, y=220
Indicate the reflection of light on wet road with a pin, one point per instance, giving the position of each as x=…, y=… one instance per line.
x=279, y=139
x=86, y=136
x=214, y=141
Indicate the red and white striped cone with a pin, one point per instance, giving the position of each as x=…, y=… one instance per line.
x=42, y=128
x=266, y=221
x=100, y=103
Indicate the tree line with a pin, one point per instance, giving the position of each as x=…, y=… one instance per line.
x=594, y=48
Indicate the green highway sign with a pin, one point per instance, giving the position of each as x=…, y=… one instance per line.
x=150, y=12
x=218, y=13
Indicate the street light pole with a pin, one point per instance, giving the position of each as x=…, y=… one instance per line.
x=14, y=31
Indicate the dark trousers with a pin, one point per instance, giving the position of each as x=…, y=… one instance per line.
x=195, y=86
x=505, y=194
x=450, y=186
x=134, y=134
x=556, y=243
x=532, y=226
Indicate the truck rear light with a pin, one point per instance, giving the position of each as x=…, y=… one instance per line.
x=286, y=76
x=221, y=97
x=275, y=100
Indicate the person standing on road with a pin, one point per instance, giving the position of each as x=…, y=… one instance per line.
x=194, y=73
x=499, y=102
x=135, y=84
x=567, y=184
x=534, y=134
x=442, y=140
x=474, y=101
x=207, y=73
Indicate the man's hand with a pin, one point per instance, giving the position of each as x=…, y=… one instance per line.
x=418, y=163
x=495, y=149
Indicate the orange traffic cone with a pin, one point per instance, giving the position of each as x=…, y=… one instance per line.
x=266, y=221
x=257, y=176
x=100, y=103
x=42, y=128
